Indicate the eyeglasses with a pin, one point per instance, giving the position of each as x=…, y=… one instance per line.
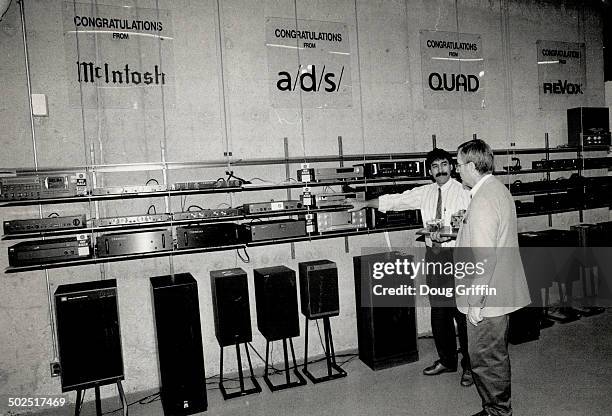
x=458, y=165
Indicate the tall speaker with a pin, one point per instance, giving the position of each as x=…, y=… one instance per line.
x=319, y=289
x=230, y=293
x=88, y=334
x=176, y=312
x=276, y=299
x=386, y=336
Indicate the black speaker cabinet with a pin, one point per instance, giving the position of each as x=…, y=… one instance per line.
x=179, y=344
x=386, y=336
x=592, y=122
x=276, y=299
x=230, y=293
x=319, y=289
x=524, y=325
x=88, y=334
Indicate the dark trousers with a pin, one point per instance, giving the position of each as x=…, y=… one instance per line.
x=444, y=314
x=443, y=328
x=488, y=348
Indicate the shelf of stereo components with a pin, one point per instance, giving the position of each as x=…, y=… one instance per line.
x=175, y=251
x=211, y=189
x=415, y=173
x=18, y=228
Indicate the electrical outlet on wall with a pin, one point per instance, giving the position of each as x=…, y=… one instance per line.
x=55, y=368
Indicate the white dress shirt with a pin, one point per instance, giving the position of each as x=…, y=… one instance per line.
x=479, y=184
x=425, y=198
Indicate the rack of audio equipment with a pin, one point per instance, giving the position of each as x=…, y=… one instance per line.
x=93, y=226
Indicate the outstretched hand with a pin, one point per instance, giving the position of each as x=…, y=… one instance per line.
x=357, y=205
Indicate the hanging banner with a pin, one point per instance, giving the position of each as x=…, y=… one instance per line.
x=561, y=74
x=308, y=64
x=452, y=67
x=118, y=57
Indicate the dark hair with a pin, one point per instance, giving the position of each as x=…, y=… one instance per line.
x=437, y=154
x=479, y=152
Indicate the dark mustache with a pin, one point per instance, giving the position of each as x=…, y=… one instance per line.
x=441, y=174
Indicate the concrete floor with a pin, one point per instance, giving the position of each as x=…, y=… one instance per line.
x=568, y=372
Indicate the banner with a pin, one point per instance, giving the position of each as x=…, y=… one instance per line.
x=452, y=67
x=561, y=74
x=118, y=57
x=308, y=64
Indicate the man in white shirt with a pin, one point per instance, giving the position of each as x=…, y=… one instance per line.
x=438, y=200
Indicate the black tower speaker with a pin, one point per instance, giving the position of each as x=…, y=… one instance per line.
x=179, y=344
x=386, y=336
x=276, y=299
x=230, y=293
x=319, y=289
x=88, y=334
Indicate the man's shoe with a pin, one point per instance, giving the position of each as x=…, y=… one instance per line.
x=438, y=368
x=467, y=379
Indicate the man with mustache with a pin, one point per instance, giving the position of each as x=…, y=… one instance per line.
x=438, y=200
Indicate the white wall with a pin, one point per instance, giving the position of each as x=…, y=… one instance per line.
x=386, y=73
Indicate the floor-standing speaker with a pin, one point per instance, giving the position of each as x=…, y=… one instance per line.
x=276, y=299
x=319, y=289
x=386, y=336
x=88, y=334
x=179, y=344
x=230, y=293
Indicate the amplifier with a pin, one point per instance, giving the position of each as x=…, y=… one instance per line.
x=395, y=218
x=536, y=186
x=133, y=219
x=554, y=202
x=44, y=186
x=342, y=220
x=597, y=162
x=209, y=235
x=134, y=243
x=591, y=124
x=525, y=207
x=406, y=168
x=45, y=224
x=128, y=189
x=272, y=230
x=49, y=251
x=555, y=164
x=207, y=214
x=329, y=174
x=259, y=207
x=195, y=185
x=374, y=191
x=337, y=198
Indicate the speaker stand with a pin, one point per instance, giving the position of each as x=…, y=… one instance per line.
x=242, y=390
x=288, y=383
x=124, y=405
x=330, y=355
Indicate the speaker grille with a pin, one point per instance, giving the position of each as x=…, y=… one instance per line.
x=88, y=334
x=230, y=293
x=276, y=298
x=179, y=344
x=319, y=289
